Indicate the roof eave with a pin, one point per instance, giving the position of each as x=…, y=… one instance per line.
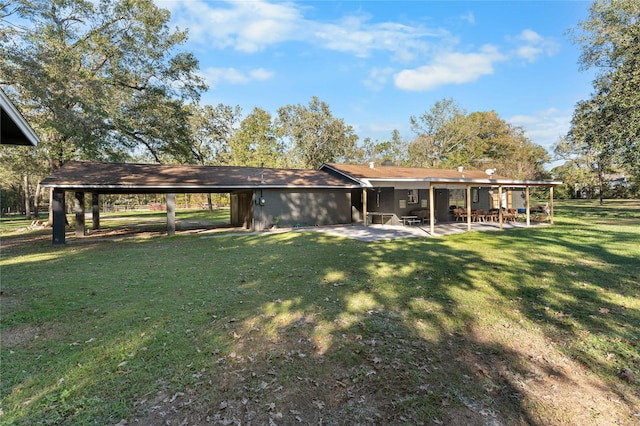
x=504, y=182
x=189, y=188
x=18, y=119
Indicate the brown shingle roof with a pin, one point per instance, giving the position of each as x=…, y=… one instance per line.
x=80, y=175
x=369, y=175
x=387, y=172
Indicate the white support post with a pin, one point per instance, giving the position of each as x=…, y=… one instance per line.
x=468, y=207
x=528, y=205
x=432, y=216
x=500, y=217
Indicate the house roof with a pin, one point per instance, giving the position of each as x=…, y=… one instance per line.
x=373, y=175
x=157, y=178
x=14, y=129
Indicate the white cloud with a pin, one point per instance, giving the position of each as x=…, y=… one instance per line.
x=544, y=127
x=247, y=26
x=214, y=76
x=251, y=26
x=353, y=34
x=532, y=45
x=378, y=78
x=450, y=68
x=468, y=17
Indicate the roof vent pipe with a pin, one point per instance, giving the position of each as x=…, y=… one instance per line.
x=460, y=169
x=372, y=165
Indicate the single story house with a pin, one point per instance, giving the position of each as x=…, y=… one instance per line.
x=262, y=197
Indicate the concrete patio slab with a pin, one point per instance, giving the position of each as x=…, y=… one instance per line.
x=387, y=232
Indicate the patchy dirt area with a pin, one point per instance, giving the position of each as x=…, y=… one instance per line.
x=395, y=383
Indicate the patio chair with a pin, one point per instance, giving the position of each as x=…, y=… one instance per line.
x=541, y=217
x=459, y=213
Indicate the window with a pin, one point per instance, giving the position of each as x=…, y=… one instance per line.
x=412, y=196
x=457, y=197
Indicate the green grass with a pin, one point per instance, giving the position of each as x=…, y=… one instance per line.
x=308, y=328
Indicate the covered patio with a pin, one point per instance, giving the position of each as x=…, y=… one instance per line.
x=404, y=195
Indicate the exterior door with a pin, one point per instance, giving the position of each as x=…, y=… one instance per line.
x=442, y=205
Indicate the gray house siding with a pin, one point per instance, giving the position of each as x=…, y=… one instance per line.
x=396, y=201
x=299, y=207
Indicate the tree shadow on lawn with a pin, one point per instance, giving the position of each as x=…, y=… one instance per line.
x=582, y=291
x=301, y=328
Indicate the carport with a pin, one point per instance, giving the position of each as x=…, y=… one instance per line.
x=259, y=196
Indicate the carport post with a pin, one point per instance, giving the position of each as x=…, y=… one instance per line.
x=468, y=207
x=551, y=204
x=95, y=210
x=527, y=205
x=78, y=207
x=364, y=207
x=58, y=225
x=432, y=216
x=171, y=214
x=500, y=218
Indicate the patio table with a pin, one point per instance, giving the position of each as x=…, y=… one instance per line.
x=410, y=220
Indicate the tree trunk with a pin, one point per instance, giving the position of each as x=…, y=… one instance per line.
x=600, y=183
x=53, y=166
x=209, y=203
x=36, y=202
x=27, y=197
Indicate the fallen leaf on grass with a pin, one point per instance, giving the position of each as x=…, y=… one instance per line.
x=318, y=404
x=626, y=375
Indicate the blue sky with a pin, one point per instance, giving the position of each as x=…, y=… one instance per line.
x=377, y=63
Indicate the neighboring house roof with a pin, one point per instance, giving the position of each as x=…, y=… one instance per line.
x=14, y=129
x=131, y=178
x=615, y=178
x=373, y=175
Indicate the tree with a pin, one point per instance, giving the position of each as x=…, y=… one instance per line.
x=575, y=173
x=393, y=151
x=316, y=136
x=212, y=131
x=590, y=138
x=448, y=137
x=610, y=43
x=439, y=133
x=22, y=168
x=256, y=143
x=99, y=79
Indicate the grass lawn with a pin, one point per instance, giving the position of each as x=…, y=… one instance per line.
x=531, y=326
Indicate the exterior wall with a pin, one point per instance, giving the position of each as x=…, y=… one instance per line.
x=513, y=198
x=356, y=206
x=397, y=201
x=292, y=208
x=517, y=198
x=484, y=199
